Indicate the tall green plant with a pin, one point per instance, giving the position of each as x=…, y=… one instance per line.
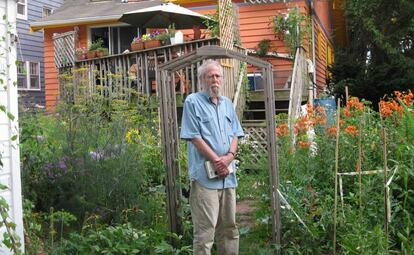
x=292, y=27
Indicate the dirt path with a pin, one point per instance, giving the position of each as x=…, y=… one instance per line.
x=245, y=213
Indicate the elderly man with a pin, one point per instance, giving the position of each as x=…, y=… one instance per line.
x=211, y=127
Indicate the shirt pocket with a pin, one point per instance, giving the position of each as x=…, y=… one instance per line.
x=229, y=125
x=206, y=126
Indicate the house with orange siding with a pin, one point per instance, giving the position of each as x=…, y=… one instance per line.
x=99, y=19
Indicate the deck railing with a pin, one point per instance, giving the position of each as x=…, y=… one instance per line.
x=134, y=72
x=124, y=76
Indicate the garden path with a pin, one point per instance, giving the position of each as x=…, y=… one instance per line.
x=245, y=213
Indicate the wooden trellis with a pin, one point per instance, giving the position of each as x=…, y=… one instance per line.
x=169, y=129
x=256, y=138
x=65, y=49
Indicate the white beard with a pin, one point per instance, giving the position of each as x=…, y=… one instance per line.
x=214, y=92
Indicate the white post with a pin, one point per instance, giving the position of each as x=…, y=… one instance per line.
x=9, y=148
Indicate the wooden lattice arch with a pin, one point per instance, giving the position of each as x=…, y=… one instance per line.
x=169, y=128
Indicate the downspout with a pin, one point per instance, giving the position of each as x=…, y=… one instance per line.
x=313, y=91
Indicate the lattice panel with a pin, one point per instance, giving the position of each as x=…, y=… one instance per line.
x=65, y=49
x=256, y=140
x=226, y=24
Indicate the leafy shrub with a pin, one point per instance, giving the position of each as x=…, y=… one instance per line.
x=120, y=239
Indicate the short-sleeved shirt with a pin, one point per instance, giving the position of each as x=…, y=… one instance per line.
x=217, y=125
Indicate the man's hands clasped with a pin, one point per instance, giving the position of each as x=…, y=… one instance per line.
x=222, y=163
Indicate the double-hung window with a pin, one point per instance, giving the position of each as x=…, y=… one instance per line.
x=28, y=75
x=22, y=9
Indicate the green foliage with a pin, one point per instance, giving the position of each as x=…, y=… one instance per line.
x=84, y=161
x=98, y=44
x=379, y=56
x=307, y=177
x=212, y=24
x=292, y=28
x=263, y=47
x=120, y=239
x=10, y=239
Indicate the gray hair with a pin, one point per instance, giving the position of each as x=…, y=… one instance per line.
x=202, y=70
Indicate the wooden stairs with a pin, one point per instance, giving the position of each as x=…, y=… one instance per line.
x=254, y=112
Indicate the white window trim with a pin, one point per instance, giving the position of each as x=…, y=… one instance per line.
x=21, y=16
x=29, y=88
x=47, y=8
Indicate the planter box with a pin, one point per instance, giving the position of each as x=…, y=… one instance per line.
x=137, y=46
x=92, y=54
x=82, y=56
x=152, y=44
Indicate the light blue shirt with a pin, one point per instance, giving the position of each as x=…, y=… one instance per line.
x=217, y=125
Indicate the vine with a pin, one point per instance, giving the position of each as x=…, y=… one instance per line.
x=292, y=27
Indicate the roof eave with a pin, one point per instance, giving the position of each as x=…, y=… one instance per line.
x=35, y=26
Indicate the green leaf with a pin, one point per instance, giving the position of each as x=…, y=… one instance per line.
x=10, y=116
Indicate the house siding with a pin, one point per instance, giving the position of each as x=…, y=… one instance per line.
x=321, y=54
x=255, y=24
x=51, y=76
x=30, y=48
x=9, y=148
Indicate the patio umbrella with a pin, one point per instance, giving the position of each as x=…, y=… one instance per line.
x=161, y=16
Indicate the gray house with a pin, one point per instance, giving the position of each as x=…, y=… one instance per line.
x=30, y=51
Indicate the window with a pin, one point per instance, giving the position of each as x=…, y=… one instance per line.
x=255, y=81
x=319, y=45
x=28, y=75
x=46, y=12
x=117, y=38
x=22, y=9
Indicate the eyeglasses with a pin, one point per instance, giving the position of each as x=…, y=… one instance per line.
x=217, y=76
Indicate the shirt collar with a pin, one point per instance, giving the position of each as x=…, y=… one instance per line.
x=207, y=97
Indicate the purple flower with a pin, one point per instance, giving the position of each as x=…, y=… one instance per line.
x=62, y=165
x=96, y=155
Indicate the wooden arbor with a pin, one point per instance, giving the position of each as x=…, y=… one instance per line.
x=169, y=128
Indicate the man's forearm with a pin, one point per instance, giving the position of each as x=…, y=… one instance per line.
x=233, y=145
x=204, y=149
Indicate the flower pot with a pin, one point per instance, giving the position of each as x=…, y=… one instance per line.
x=137, y=46
x=92, y=54
x=101, y=53
x=82, y=56
x=152, y=44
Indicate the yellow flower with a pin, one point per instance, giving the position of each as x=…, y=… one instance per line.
x=132, y=136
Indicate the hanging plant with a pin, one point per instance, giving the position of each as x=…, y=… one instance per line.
x=263, y=47
x=292, y=28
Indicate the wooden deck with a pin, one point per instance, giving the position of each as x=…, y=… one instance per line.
x=134, y=72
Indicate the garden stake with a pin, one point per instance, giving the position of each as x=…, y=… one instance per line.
x=341, y=192
x=289, y=207
x=359, y=167
x=346, y=95
x=384, y=144
x=338, y=111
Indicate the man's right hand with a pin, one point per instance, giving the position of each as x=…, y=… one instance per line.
x=221, y=167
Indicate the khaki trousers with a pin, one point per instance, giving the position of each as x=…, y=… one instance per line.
x=214, y=211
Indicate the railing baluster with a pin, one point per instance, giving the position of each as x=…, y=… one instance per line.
x=111, y=73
